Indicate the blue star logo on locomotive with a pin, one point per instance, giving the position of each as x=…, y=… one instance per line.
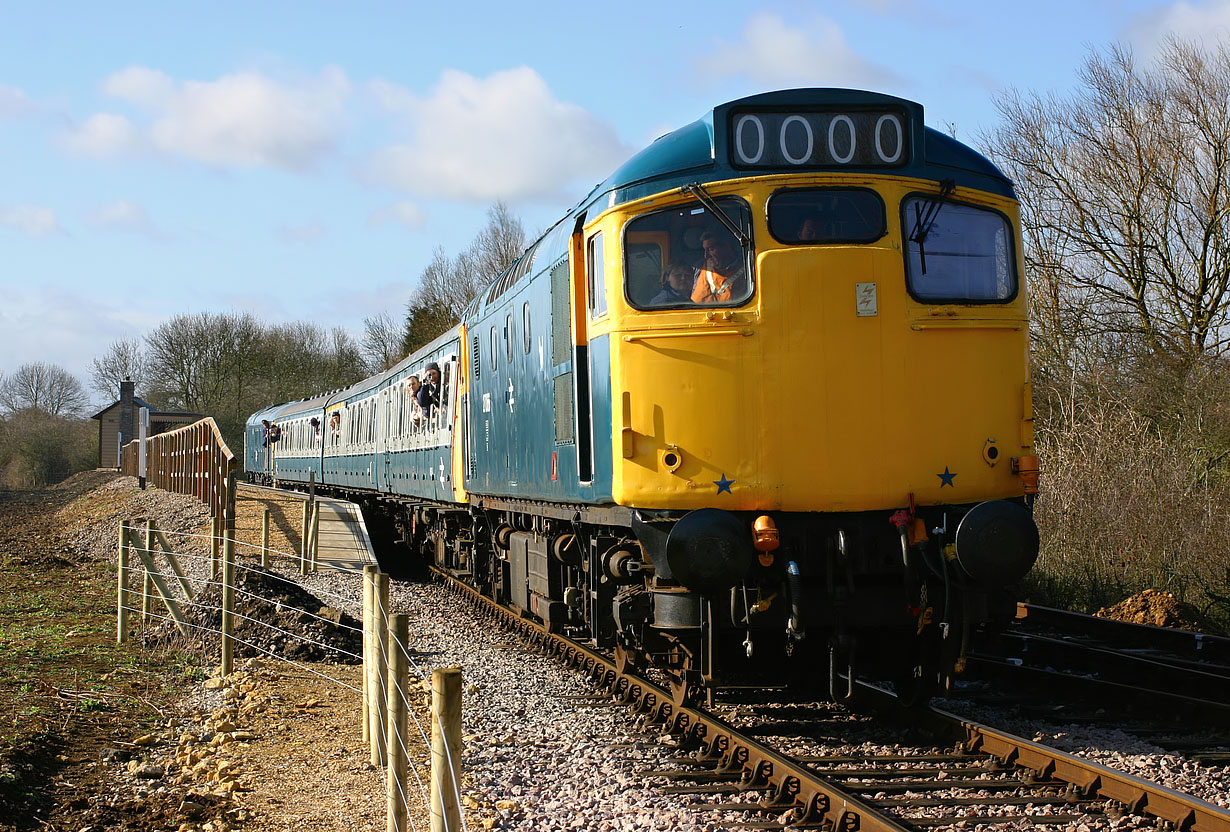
x=946, y=477
x=724, y=484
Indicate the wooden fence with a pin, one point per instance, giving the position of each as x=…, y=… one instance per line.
x=192, y=460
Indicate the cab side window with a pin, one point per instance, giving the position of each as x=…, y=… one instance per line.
x=597, y=276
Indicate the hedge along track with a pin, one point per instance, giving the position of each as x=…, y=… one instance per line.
x=727, y=756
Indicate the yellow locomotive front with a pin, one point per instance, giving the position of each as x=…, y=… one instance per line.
x=846, y=378
x=820, y=391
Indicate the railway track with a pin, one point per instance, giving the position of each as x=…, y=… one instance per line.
x=1140, y=668
x=960, y=773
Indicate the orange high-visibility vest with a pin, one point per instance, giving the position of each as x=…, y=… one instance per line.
x=712, y=287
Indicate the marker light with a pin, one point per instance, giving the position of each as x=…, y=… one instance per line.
x=764, y=534
x=1027, y=468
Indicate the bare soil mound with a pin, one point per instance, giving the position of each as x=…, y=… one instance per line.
x=1161, y=609
x=273, y=616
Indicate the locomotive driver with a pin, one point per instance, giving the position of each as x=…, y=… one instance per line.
x=724, y=275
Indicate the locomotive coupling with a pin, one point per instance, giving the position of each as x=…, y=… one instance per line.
x=709, y=550
x=997, y=542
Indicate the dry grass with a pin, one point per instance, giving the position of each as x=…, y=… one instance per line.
x=1127, y=505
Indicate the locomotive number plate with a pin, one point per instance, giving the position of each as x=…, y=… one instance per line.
x=819, y=139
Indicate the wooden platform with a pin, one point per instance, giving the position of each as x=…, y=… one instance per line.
x=343, y=543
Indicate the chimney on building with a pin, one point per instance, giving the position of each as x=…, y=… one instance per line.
x=127, y=412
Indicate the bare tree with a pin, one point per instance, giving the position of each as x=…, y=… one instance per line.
x=447, y=286
x=344, y=359
x=124, y=359
x=500, y=243
x=302, y=359
x=382, y=342
x=41, y=386
x=208, y=364
x=1125, y=194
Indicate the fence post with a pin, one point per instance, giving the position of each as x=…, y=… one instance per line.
x=445, y=748
x=215, y=523
x=121, y=603
x=228, y=594
x=303, y=540
x=147, y=584
x=265, y=539
x=369, y=585
x=397, y=693
x=314, y=534
x=147, y=592
x=380, y=666
x=169, y=551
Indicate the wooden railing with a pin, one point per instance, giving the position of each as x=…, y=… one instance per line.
x=192, y=460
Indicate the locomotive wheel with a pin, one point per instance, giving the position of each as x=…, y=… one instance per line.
x=684, y=692
x=914, y=689
x=629, y=659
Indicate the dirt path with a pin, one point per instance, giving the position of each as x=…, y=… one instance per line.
x=95, y=735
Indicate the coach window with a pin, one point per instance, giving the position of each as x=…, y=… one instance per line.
x=525, y=325
x=712, y=241
x=597, y=277
x=445, y=388
x=495, y=346
x=508, y=336
x=957, y=253
x=813, y=216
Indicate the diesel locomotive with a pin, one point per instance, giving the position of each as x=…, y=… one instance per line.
x=756, y=412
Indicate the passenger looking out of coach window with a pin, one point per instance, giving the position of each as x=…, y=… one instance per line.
x=413, y=385
x=677, y=281
x=723, y=277
x=335, y=425
x=428, y=396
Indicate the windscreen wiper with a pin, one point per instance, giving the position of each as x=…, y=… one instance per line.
x=925, y=213
x=698, y=190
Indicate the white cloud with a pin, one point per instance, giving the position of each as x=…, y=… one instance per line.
x=13, y=102
x=103, y=134
x=807, y=53
x=501, y=137
x=64, y=327
x=141, y=85
x=123, y=215
x=33, y=220
x=403, y=212
x=240, y=120
x=301, y=233
x=1201, y=22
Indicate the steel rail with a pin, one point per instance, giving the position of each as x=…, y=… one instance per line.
x=1200, y=646
x=790, y=784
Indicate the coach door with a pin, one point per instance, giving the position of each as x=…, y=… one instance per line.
x=384, y=460
x=588, y=300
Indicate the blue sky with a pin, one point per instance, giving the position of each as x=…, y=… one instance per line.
x=302, y=160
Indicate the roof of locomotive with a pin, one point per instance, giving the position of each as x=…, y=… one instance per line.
x=698, y=151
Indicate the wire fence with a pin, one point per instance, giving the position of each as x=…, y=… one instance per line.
x=168, y=586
